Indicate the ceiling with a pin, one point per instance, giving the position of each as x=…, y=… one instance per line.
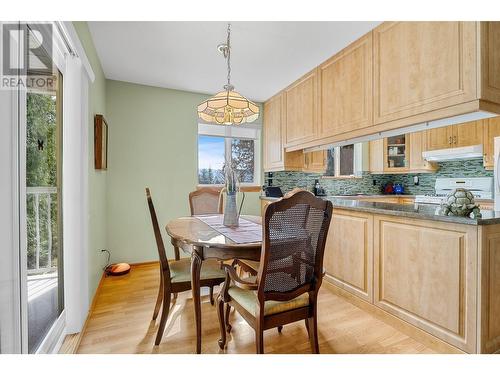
x=265, y=56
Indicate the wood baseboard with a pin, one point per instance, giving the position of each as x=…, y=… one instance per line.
x=408, y=329
x=72, y=341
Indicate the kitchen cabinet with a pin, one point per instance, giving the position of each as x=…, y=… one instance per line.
x=425, y=273
x=396, y=154
x=400, y=74
x=441, y=278
x=274, y=156
x=439, y=138
x=263, y=204
x=376, y=156
x=491, y=129
x=346, y=89
x=422, y=66
x=460, y=135
x=411, y=146
x=301, y=110
x=418, y=144
x=315, y=161
x=349, y=253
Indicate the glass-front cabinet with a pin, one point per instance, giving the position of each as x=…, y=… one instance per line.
x=396, y=153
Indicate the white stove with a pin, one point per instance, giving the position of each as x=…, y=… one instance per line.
x=481, y=187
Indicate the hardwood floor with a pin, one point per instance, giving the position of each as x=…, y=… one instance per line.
x=121, y=323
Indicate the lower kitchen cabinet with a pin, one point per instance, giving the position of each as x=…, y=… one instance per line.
x=426, y=274
x=349, y=253
x=441, y=278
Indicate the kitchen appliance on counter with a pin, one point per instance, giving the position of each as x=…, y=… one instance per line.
x=318, y=190
x=481, y=187
x=273, y=191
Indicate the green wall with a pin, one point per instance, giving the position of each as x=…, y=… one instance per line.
x=97, y=180
x=152, y=142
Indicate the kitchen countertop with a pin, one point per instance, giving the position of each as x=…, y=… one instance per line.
x=350, y=196
x=418, y=211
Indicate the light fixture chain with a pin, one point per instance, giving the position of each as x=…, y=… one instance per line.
x=229, y=55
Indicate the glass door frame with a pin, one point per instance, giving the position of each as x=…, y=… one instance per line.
x=55, y=333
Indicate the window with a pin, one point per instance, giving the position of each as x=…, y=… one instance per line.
x=222, y=145
x=344, y=161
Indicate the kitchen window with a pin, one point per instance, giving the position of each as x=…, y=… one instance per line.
x=344, y=161
x=219, y=146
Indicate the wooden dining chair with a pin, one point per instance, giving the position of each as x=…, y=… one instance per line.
x=175, y=276
x=205, y=201
x=286, y=287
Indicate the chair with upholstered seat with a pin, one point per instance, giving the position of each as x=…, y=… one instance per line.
x=290, y=272
x=205, y=201
x=175, y=276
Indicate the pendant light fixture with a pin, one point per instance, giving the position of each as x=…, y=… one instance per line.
x=228, y=107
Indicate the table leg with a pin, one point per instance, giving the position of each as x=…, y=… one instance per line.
x=196, y=259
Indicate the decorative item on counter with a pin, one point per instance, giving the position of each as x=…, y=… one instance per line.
x=399, y=189
x=231, y=188
x=389, y=188
x=460, y=202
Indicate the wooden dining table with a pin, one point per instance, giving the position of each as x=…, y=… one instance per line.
x=201, y=241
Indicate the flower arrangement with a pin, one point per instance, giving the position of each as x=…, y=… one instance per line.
x=231, y=180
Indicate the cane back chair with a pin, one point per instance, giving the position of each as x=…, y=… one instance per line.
x=290, y=272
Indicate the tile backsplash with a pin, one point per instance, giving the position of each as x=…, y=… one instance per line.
x=373, y=183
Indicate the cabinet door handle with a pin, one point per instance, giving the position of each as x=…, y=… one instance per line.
x=455, y=139
x=449, y=141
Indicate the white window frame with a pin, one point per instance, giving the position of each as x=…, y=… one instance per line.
x=246, y=132
x=357, y=160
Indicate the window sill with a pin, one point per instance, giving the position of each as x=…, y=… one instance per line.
x=244, y=188
x=341, y=177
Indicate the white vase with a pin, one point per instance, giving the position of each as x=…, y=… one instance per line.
x=231, y=218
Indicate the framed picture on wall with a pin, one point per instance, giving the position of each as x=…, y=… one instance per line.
x=100, y=142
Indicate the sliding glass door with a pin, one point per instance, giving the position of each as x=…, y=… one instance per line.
x=43, y=179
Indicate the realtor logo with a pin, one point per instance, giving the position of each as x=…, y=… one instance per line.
x=26, y=56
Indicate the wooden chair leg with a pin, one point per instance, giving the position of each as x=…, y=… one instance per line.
x=164, y=316
x=259, y=340
x=212, y=295
x=222, y=325
x=228, y=311
x=313, y=333
x=280, y=328
x=159, y=299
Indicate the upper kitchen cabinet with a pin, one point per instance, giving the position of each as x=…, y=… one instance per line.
x=468, y=133
x=418, y=144
x=301, y=111
x=274, y=156
x=461, y=135
x=491, y=129
x=346, y=89
x=315, y=161
x=397, y=153
x=421, y=67
x=439, y=138
x=400, y=154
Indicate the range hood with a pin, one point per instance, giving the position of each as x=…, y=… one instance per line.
x=457, y=153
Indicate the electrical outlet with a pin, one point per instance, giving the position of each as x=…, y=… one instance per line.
x=416, y=180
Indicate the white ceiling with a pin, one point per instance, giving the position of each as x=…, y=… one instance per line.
x=265, y=56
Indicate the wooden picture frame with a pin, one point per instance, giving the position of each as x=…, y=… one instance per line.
x=100, y=142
